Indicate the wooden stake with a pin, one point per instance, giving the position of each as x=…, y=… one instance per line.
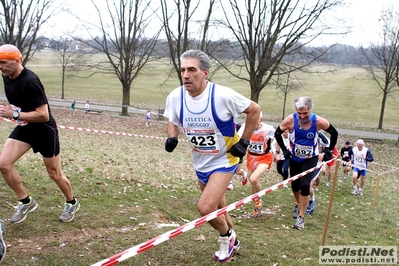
x=377, y=186
x=330, y=202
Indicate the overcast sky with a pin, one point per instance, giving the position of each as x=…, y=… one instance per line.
x=361, y=14
x=365, y=15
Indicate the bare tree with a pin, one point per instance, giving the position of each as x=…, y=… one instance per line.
x=382, y=58
x=182, y=30
x=70, y=57
x=397, y=73
x=21, y=21
x=286, y=82
x=266, y=32
x=126, y=39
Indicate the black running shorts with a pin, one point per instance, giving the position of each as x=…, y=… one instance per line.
x=42, y=137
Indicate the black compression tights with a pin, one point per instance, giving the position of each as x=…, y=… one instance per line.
x=302, y=184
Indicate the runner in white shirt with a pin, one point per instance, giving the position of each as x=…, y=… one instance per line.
x=87, y=109
x=206, y=112
x=360, y=157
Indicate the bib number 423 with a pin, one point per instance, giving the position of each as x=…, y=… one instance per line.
x=203, y=140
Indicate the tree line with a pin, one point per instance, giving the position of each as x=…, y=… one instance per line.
x=259, y=42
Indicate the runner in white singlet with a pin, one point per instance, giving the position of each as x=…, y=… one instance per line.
x=206, y=112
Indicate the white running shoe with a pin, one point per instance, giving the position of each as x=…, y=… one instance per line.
x=2, y=243
x=226, y=248
x=244, y=180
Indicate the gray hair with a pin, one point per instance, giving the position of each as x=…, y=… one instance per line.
x=205, y=62
x=301, y=102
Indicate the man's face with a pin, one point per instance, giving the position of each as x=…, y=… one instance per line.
x=194, y=79
x=8, y=67
x=359, y=146
x=303, y=114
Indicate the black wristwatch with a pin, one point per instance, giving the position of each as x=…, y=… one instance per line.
x=15, y=114
x=246, y=141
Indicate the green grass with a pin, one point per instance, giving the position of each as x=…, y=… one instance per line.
x=347, y=97
x=129, y=185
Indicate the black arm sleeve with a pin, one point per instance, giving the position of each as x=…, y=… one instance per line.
x=333, y=136
x=269, y=141
x=279, y=138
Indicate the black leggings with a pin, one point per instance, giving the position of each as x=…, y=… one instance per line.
x=302, y=184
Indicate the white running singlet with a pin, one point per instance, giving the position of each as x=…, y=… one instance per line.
x=208, y=122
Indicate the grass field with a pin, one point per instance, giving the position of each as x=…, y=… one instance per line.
x=347, y=96
x=128, y=186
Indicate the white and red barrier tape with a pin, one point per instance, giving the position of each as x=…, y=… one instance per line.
x=113, y=260
x=133, y=251
x=110, y=132
x=163, y=138
x=103, y=131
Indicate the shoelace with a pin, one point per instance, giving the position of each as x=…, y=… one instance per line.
x=224, y=245
x=19, y=209
x=68, y=209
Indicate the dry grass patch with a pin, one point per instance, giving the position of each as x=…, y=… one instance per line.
x=129, y=185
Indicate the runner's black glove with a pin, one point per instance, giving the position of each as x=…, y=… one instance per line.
x=171, y=144
x=327, y=154
x=287, y=154
x=240, y=148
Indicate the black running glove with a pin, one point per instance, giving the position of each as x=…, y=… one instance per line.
x=240, y=148
x=327, y=154
x=171, y=144
x=287, y=154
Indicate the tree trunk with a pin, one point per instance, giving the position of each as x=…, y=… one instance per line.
x=63, y=83
x=255, y=96
x=125, y=100
x=384, y=99
x=284, y=103
x=255, y=92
